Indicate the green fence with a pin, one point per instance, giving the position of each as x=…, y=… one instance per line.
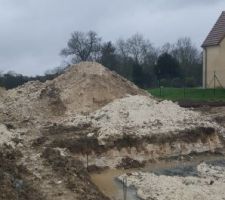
x=198, y=94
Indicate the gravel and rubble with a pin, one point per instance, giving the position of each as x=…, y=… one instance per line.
x=90, y=93
x=89, y=109
x=82, y=88
x=139, y=127
x=208, y=185
x=14, y=181
x=141, y=116
x=7, y=136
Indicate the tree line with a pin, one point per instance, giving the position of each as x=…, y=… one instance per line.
x=12, y=80
x=135, y=58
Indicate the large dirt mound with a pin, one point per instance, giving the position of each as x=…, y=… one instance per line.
x=83, y=88
x=88, y=86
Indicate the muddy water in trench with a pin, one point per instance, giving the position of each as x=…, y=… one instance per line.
x=111, y=187
x=107, y=183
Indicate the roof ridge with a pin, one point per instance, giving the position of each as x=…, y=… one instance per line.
x=217, y=33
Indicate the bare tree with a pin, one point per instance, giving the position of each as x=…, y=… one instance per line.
x=188, y=56
x=185, y=52
x=83, y=46
x=122, y=48
x=139, y=48
x=108, y=55
x=136, y=47
x=167, y=48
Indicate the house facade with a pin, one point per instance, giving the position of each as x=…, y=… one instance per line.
x=214, y=55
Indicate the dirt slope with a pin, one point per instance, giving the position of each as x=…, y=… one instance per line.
x=90, y=110
x=83, y=88
x=88, y=86
x=25, y=110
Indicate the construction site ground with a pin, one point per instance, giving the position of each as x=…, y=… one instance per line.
x=62, y=139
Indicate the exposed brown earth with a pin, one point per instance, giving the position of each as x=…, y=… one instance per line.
x=14, y=178
x=89, y=119
x=81, y=89
x=89, y=86
x=26, y=110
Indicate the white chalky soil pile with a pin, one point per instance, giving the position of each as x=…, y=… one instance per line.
x=144, y=116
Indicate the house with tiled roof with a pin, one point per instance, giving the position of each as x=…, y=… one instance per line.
x=214, y=55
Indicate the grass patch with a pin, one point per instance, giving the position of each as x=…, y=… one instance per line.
x=193, y=94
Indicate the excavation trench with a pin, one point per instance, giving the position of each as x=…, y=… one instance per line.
x=78, y=142
x=177, y=156
x=175, y=153
x=131, y=152
x=108, y=183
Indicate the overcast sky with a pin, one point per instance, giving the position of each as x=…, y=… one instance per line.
x=34, y=31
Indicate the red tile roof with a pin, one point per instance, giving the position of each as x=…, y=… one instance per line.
x=217, y=34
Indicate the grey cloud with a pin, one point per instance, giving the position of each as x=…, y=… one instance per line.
x=33, y=32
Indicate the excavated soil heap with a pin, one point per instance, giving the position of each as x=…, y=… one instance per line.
x=88, y=86
x=90, y=109
x=82, y=88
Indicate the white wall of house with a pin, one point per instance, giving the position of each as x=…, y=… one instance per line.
x=214, y=61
